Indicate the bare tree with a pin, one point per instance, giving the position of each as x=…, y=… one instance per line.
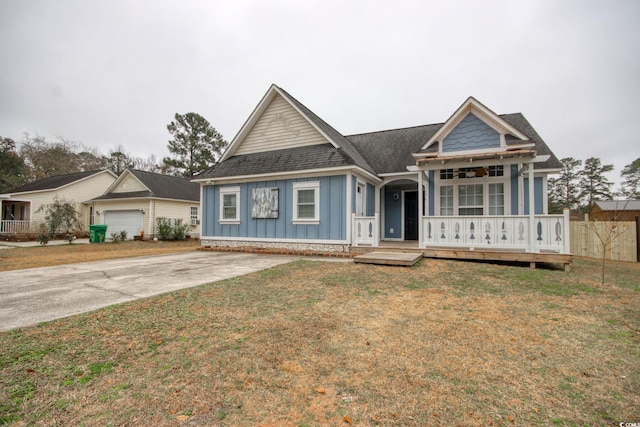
x=608, y=231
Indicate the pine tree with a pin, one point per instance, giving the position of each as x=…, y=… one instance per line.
x=564, y=191
x=195, y=146
x=594, y=185
x=630, y=186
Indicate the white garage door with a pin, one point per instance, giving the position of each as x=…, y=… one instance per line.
x=130, y=221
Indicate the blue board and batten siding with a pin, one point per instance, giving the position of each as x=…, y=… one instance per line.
x=471, y=134
x=332, y=225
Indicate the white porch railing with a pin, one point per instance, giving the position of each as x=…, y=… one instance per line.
x=12, y=226
x=365, y=230
x=550, y=232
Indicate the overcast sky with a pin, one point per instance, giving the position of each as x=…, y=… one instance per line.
x=104, y=73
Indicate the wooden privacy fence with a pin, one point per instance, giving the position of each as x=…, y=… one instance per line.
x=623, y=236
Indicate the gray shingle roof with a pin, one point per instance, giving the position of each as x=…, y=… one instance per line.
x=388, y=151
x=160, y=186
x=289, y=160
x=518, y=121
x=53, y=182
x=348, y=150
x=619, y=205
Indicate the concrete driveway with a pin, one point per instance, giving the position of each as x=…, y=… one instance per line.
x=28, y=297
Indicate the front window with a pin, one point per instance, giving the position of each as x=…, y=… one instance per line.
x=480, y=190
x=446, y=200
x=194, y=215
x=229, y=205
x=496, y=199
x=306, y=202
x=470, y=199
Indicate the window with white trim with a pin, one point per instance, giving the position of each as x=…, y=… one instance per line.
x=470, y=199
x=194, y=215
x=306, y=202
x=446, y=200
x=230, y=205
x=496, y=199
x=480, y=190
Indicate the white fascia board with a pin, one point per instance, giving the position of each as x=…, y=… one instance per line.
x=476, y=163
x=411, y=171
x=288, y=175
x=142, y=199
x=549, y=170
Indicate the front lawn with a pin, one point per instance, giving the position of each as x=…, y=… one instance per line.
x=317, y=343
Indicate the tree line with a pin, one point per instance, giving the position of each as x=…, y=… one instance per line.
x=580, y=184
x=194, y=147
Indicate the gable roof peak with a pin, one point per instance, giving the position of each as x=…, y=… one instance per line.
x=484, y=113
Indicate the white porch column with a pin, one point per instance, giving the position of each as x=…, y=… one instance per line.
x=348, y=210
x=532, y=209
x=420, y=206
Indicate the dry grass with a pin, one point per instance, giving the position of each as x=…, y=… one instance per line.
x=43, y=256
x=316, y=344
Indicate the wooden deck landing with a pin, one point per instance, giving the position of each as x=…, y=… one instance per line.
x=411, y=248
x=389, y=258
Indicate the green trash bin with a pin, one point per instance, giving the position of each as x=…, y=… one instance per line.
x=97, y=233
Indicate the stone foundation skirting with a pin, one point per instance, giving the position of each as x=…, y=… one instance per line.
x=304, y=249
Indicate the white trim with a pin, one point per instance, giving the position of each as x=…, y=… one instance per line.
x=505, y=179
x=306, y=185
x=347, y=210
x=363, y=197
x=225, y=191
x=410, y=172
x=289, y=175
x=275, y=240
x=116, y=199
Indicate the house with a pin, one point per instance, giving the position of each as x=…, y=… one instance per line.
x=615, y=210
x=476, y=183
x=21, y=207
x=135, y=200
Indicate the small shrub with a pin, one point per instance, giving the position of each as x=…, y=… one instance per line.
x=164, y=228
x=123, y=235
x=43, y=239
x=172, y=229
x=69, y=237
x=180, y=229
x=115, y=237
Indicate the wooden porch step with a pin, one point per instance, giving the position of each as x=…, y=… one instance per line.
x=389, y=258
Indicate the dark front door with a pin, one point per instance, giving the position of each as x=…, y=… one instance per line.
x=411, y=215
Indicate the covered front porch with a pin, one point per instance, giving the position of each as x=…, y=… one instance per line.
x=483, y=214
x=15, y=217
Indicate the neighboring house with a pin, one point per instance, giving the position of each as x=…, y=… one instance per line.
x=137, y=198
x=290, y=180
x=615, y=210
x=21, y=207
